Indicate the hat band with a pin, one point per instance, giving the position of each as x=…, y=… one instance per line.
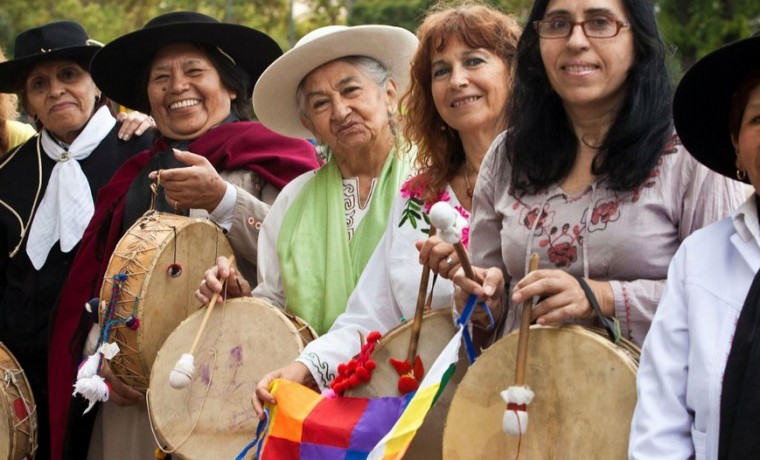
x=226, y=55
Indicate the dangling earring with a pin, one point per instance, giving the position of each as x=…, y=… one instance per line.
x=741, y=175
x=444, y=127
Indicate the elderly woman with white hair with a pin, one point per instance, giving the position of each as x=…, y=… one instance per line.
x=341, y=85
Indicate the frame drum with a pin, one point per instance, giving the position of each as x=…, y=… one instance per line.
x=437, y=330
x=163, y=256
x=585, y=393
x=18, y=414
x=212, y=417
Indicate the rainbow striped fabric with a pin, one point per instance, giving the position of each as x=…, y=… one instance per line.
x=306, y=426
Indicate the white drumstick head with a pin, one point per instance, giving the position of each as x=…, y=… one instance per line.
x=515, y=419
x=448, y=222
x=182, y=373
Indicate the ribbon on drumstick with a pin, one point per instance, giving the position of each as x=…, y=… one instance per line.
x=450, y=225
x=183, y=371
x=519, y=395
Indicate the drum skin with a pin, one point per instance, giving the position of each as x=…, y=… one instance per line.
x=437, y=330
x=212, y=417
x=18, y=417
x=157, y=298
x=585, y=393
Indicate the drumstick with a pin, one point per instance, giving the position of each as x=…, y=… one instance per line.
x=183, y=371
x=421, y=297
x=518, y=396
x=450, y=224
x=522, y=343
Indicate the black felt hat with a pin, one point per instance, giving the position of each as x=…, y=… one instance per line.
x=57, y=40
x=119, y=67
x=702, y=103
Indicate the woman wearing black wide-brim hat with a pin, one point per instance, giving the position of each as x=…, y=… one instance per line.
x=699, y=373
x=49, y=185
x=195, y=76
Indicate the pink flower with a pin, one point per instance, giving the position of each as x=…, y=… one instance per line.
x=466, y=237
x=414, y=187
x=562, y=254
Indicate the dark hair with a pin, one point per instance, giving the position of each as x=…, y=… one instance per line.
x=233, y=78
x=740, y=99
x=541, y=146
x=440, y=153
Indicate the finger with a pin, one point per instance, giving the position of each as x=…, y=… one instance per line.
x=189, y=158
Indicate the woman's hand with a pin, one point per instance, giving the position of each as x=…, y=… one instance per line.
x=197, y=186
x=295, y=372
x=134, y=123
x=488, y=286
x=562, y=297
x=121, y=394
x=213, y=282
x=439, y=255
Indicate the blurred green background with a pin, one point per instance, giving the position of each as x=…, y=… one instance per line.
x=691, y=28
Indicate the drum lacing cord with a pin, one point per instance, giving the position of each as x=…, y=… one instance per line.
x=109, y=317
x=10, y=378
x=212, y=351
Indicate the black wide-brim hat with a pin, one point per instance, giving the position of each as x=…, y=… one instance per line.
x=56, y=40
x=702, y=103
x=118, y=68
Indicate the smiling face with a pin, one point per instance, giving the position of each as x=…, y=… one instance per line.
x=588, y=72
x=747, y=143
x=62, y=96
x=470, y=88
x=186, y=94
x=347, y=109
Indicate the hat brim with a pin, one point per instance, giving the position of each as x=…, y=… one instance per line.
x=119, y=67
x=12, y=71
x=702, y=103
x=274, y=97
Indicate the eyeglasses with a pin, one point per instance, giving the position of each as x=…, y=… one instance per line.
x=601, y=27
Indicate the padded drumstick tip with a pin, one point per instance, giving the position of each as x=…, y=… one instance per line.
x=182, y=373
x=448, y=222
x=515, y=420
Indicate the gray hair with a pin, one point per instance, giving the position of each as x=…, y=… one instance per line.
x=370, y=67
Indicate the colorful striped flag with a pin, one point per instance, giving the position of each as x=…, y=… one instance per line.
x=396, y=442
x=305, y=425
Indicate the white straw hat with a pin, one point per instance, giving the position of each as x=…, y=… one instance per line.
x=274, y=97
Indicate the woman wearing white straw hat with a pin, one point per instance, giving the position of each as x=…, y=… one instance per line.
x=49, y=185
x=338, y=84
x=699, y=375
x=195, y=76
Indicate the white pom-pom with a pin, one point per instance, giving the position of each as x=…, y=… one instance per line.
x=93, y=388
x=443, y=216
x=448, y=222
x=182, y=373
x=89, y=367
x=515, y=421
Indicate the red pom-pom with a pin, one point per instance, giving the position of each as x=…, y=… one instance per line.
x=353, y=380
x=402, y=367
x=352, y=365
x=363, y=374
x=407, y=384
x=373, y=337
x=370, y=365
x=419, y=369
x=342, y=369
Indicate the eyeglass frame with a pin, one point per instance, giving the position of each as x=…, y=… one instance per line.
x=620, y=25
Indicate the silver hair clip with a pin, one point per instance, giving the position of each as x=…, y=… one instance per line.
x=226, y=55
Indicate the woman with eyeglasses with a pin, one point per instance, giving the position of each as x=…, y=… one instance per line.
x=590, y=175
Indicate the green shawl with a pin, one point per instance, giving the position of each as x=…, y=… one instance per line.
x=318, y=265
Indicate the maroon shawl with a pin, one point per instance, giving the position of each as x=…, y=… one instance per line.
x=239, y=145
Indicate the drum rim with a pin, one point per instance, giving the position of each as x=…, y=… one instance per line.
x=11, y=417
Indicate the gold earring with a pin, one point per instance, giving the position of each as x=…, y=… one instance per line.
x=741, y=175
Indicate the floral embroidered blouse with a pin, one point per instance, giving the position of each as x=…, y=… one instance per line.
x=627, y=238
x=386, y=294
